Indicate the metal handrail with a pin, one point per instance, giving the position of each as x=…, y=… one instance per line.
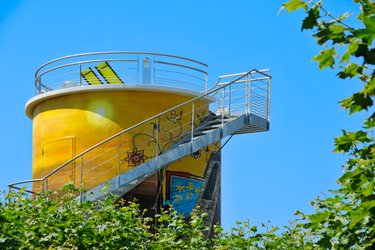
x=213, y=90
x=82, y=62
x=245, y=73
x=119, y=53
x=44, y=69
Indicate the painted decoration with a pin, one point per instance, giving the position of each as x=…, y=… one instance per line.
x=183, y=192
x=89, y=117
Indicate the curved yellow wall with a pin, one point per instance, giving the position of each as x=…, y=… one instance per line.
x=64, y=126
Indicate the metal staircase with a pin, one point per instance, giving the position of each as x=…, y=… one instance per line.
x=210, y=198
x=243, y=106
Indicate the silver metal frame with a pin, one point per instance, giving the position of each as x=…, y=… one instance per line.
x=167, y=70
x=257, y=98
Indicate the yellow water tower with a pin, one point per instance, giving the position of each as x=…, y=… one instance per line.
x=85, y=99
x=147, y=125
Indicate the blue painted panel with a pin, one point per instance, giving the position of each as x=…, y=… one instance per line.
x=184, y=193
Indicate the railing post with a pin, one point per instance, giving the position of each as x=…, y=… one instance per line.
x=40, y=85
x=156, y=127
x=80, y=74
x=247, y=95
x=119, y=160
x=268, y=98
x=153, y=64
x=138, y=68
x=81, y=181
x=46, y=187
x=218, y=101
x=42, y=186
x=206, y=84
x=229, y=99
x=192, y=120
x=74, y=170
x=223, y=109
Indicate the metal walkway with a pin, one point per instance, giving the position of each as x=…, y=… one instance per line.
x=243, y=106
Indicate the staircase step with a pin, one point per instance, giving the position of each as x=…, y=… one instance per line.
x=209, y=127
x=197, y=134
x=218, y=121
x=204, y=136
x=210, y=186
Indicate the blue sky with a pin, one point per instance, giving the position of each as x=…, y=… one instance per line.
x=266, y=176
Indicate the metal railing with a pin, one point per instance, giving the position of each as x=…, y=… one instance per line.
x=131, y=67
x=231, y=101
x=153, y=136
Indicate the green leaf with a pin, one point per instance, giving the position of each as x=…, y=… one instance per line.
x=294, y=5
x=370, y=122
x=349, y=139
x=370, y=58
x=350, y=70
x=369, y=189
x=337, y=34
x=337, y=28
x=318, y=217
x=323, y=34
x=343, y=143
x=254, y=229
x=311, y=20
x=356, y=216
x=325, y=241
x=346, y=177
x=326, y=58
x=357, y=102
x=361, y=51
x=367, y=34
x=352, y=47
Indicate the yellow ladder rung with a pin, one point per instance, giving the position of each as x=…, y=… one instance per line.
x=108, y=73
x=90, y=76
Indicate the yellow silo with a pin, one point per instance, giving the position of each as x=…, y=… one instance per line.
x=84, y=101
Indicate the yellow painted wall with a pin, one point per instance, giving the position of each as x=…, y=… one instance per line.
x=67, y=125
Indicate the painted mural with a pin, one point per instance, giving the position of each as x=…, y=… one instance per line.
x=157, y=136
x=183, y=179
x=183, y=191
x=182, y=188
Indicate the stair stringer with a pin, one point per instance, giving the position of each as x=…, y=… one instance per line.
x=124, y=182
x=209, y=200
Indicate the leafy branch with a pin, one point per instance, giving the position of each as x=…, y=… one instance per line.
x=345, y=220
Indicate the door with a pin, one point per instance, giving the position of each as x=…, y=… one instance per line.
x=54, y=154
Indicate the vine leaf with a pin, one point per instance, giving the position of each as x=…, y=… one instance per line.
x=326, y=58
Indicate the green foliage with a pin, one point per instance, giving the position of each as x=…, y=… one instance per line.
x=245, y=236
x=346, y=218
x=65, y=223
